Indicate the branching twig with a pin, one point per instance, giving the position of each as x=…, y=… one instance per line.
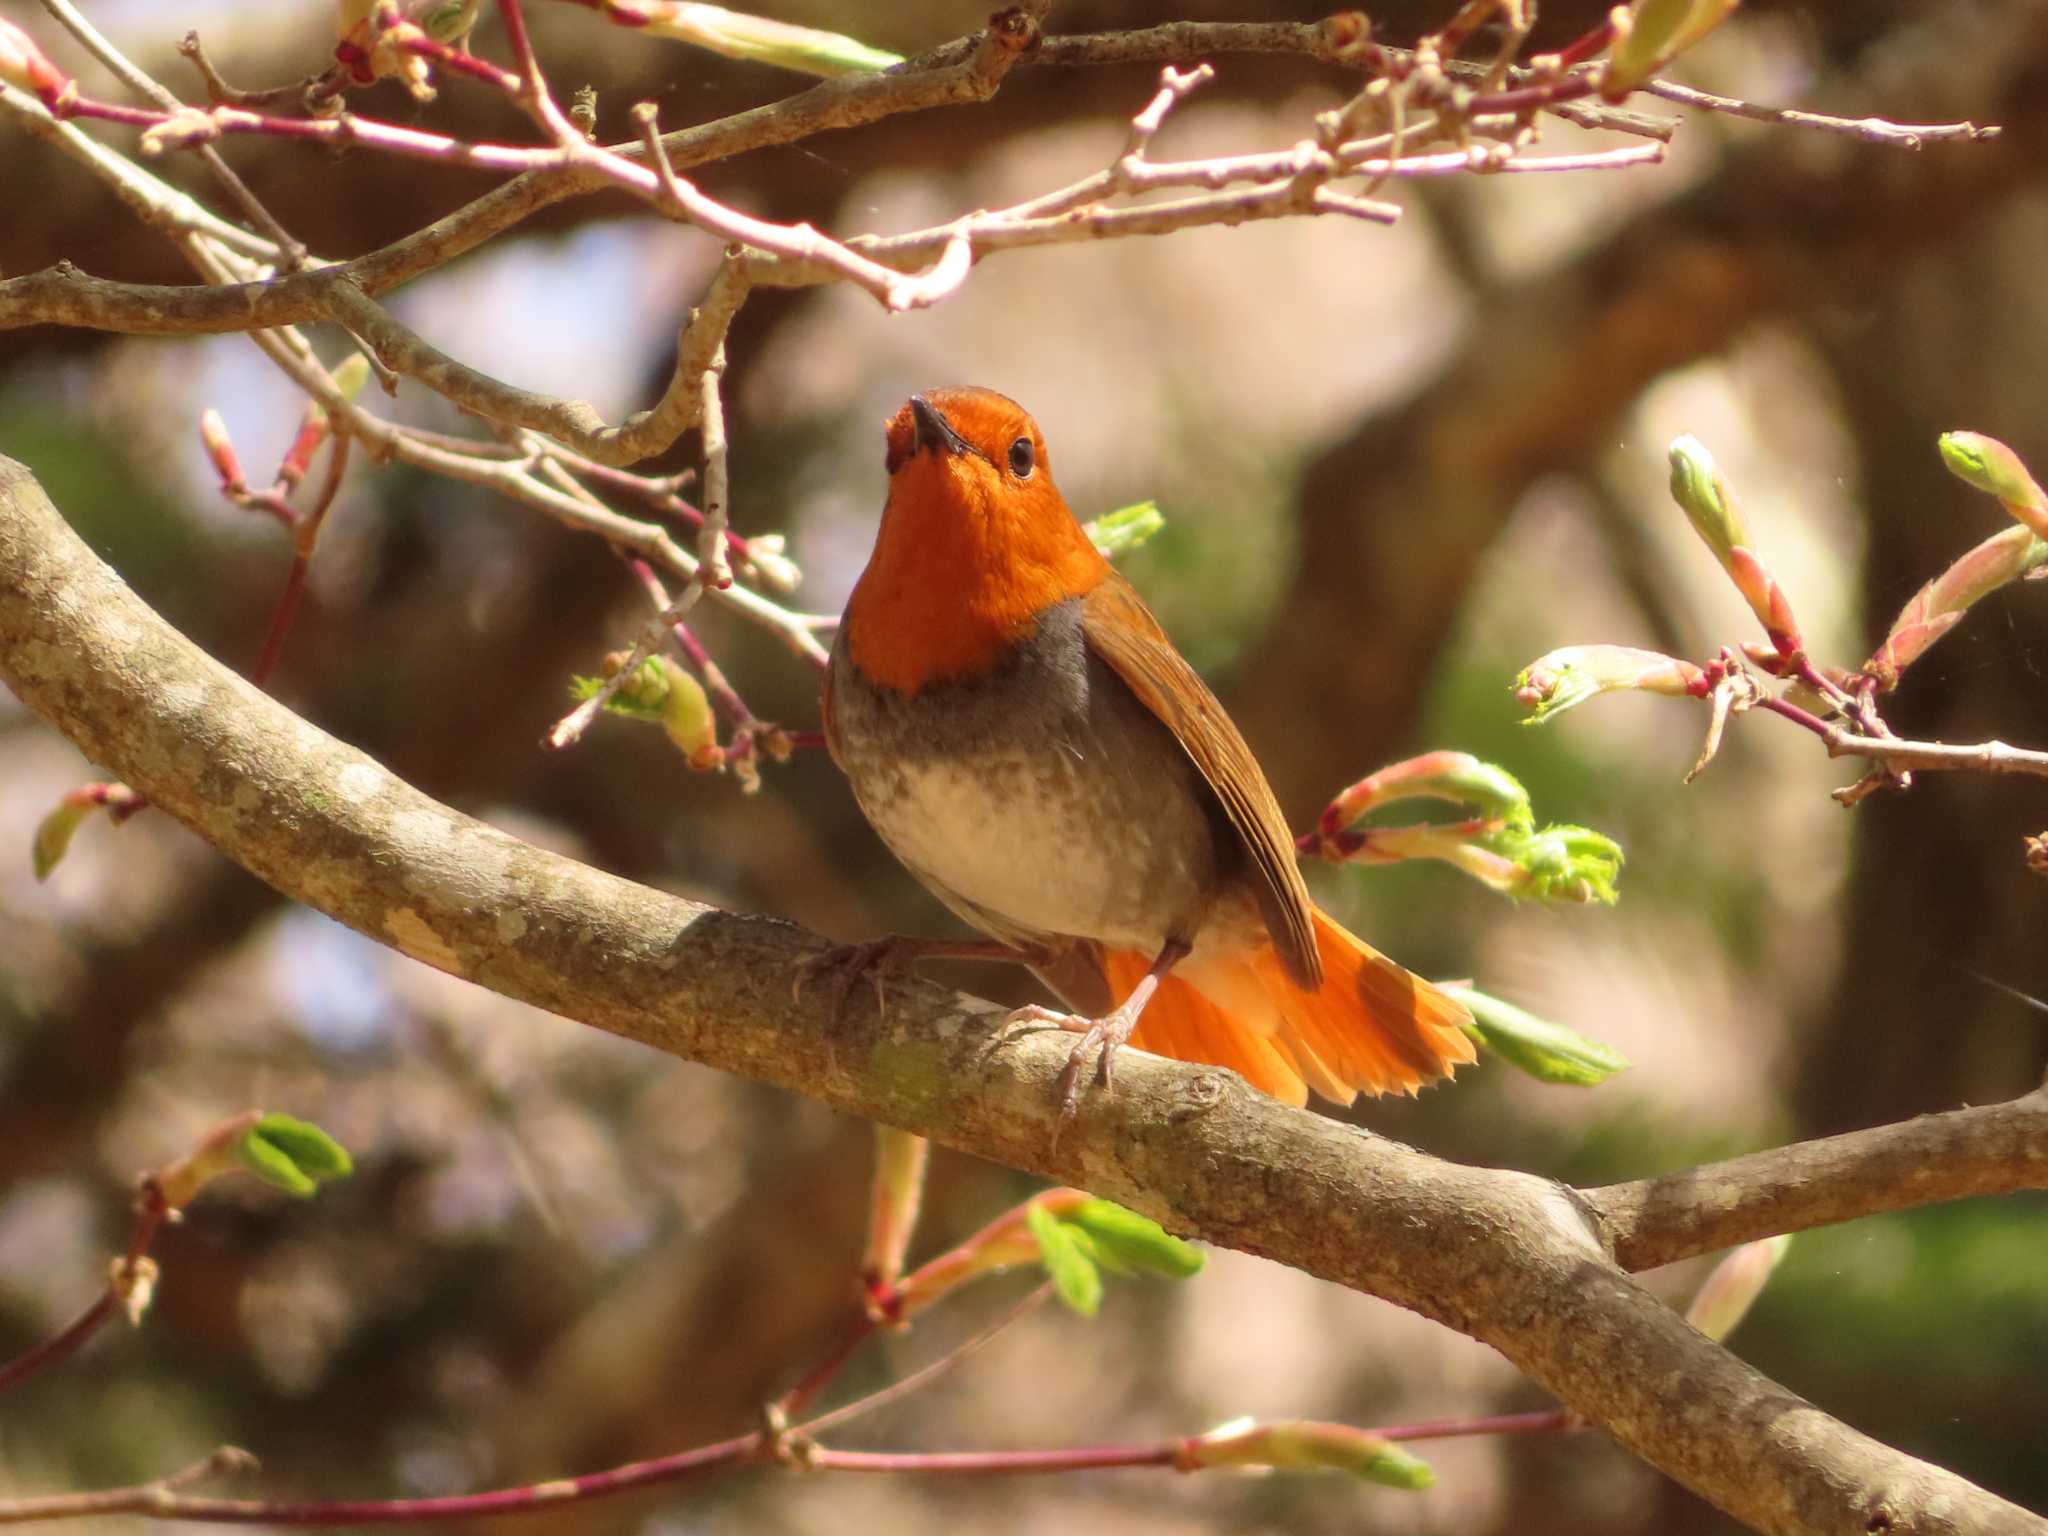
x=1871, y=130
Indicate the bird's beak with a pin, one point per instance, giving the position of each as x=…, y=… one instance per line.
x=934, y=431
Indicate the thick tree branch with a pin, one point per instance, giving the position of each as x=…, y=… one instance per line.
x=1985, y=1151
x=1508, y=1258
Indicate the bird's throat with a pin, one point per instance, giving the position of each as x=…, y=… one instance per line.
x=956, y=583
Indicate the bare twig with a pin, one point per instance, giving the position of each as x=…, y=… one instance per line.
x=1871, y=130
x=1895, y=754
x=151, y=1498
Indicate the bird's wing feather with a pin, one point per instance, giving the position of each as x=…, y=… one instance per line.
x=1120, y=630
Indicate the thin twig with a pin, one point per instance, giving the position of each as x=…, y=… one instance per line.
x=128, y=1280
x=918, y=1379
x=291, y=254
x=1871, y=130
x=1981, y=757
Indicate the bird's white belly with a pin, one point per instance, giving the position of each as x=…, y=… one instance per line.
x=1020, y=838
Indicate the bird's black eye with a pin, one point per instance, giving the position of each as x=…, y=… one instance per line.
x=1022, y=458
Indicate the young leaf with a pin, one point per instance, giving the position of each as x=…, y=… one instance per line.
x=1073, y=1273
x=737, y=35
x=293, y=1155
x=274, y=1167
x=642, y=696
x=1561, y=679
x=1094, y=1252
x=1732, y=1289
x=1987, y=464
x=1649, y=34
x=53, y=837
x=1561, y=863
x=1304, y=1445
x=1126, y=1238
x=1120, y=532
x=1396, y=1468
x=1548, y=1052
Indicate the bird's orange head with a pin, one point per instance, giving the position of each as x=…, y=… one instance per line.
x=976, y=543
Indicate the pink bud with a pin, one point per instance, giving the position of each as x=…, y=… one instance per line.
x=1560, y=679
x=1734, y=1286
x=213, y=432
x=23, y=64
x=898, y=1193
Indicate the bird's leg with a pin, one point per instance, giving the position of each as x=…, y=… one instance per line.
x=881, y=960
x=1103, y=1035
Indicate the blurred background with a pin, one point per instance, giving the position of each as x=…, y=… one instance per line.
x=1396, y=466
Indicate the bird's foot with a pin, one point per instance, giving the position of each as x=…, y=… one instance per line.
x=879, y=960
x=882, y=961
x=1029, y=1020
x=1103, y=1036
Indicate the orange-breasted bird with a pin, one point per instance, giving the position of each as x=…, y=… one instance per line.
x=1026, y=739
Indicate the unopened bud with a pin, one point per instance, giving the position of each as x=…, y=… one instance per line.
x=1939, y=605
x=24, y=65
x=1729, y=1292
x=1988, y=465
x=1306, y=1445
x=893, y=1206
x=688, y=719
x=54, y=833
x=216, y=1153
x=53, y=836
x=182, y=129
x=213, y=432
x=351, y=374
x=447, y=21
x=1649, y=34
x=1697, y=487
x=763, y=41
x=1459, y=777
x=134, y=1282
x=769, y=566
x=1567, y=677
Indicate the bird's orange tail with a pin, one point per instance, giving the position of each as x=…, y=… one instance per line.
x=1373, y=1027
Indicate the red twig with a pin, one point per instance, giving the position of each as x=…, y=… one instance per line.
x=305, y=534
x=659, y=494
x=150, y=1213
x=1583, y=47
x=1542, y=1421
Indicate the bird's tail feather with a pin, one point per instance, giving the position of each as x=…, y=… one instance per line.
x=1372, y=1027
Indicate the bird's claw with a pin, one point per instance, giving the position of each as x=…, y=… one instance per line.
x=1102, y=1036
x=1028, y=1020
x=880, y=960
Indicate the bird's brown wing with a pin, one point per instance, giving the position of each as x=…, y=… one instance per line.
x=1122, y=632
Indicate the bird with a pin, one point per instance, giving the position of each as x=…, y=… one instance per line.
x=1023, y=735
